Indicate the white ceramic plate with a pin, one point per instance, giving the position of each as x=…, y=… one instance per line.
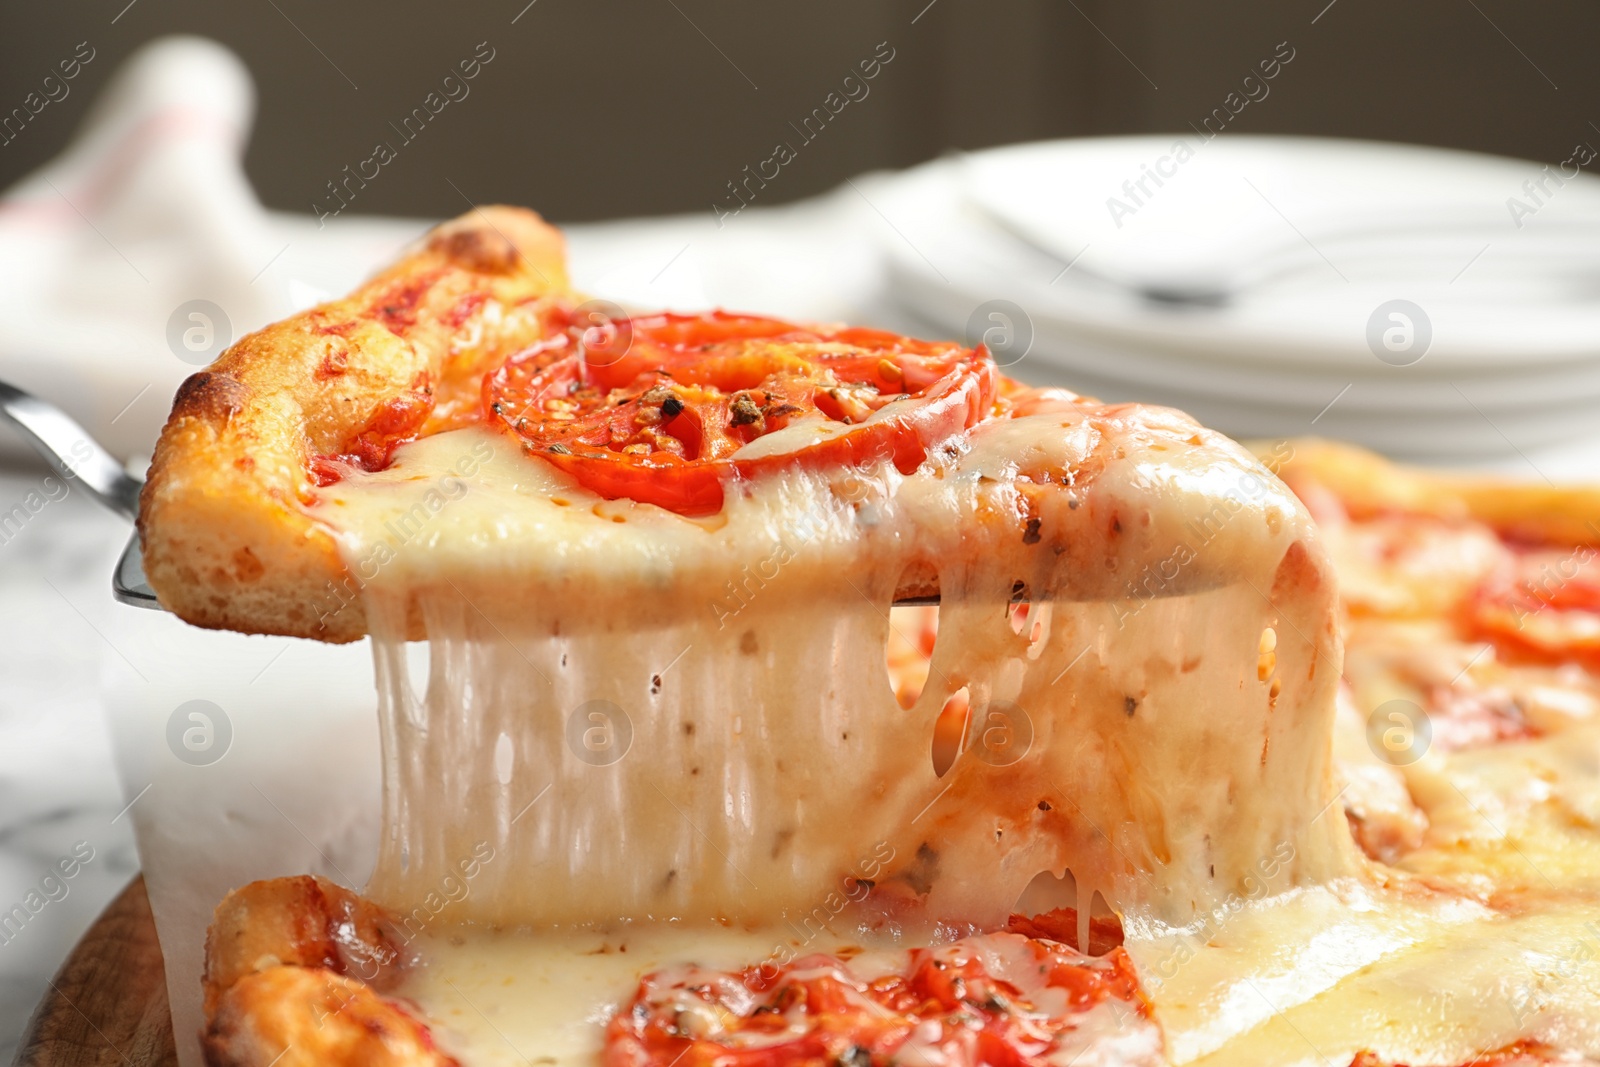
x=1515, y=337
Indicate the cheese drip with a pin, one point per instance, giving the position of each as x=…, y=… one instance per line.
x=636, y=736
x=613, y=731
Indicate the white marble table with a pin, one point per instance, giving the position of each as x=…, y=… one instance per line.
x=58, y=787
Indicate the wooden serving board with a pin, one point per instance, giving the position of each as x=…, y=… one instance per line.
x=107, y=1006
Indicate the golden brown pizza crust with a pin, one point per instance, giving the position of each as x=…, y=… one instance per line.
x=226, y=545
x=296, y=972
x=1369, y=484
x=309, y=1017
x=302, y=921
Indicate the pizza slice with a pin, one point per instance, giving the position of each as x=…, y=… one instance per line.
x=226, y=541
x=684, y=780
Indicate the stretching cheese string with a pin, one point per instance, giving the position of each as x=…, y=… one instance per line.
x=644, y=716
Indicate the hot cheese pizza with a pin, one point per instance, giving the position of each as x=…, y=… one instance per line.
x=1192, y=762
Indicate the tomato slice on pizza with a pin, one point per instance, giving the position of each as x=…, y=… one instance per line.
x=667, y=409
x=999, y=999
x=1543, y=606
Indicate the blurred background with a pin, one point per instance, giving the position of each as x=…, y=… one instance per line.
x=630, y=107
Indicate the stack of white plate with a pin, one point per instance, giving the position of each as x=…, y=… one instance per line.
x=1425, y=302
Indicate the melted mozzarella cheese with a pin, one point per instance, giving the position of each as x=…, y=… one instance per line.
x=1525, y=814
x=630, y=715
x=682, y=745
x=1446, y=998
x=511, y=999
x=544, y=998
x=1236, y=969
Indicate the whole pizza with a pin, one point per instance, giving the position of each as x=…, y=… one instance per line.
x=802, y=695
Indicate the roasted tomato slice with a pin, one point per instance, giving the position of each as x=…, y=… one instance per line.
x=666, y=409
x=1545, y=607
x=998, y=999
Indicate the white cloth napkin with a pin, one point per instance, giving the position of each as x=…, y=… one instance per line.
x=145, y=210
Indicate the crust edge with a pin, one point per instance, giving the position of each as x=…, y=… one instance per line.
x=1368, y=482
x=225, y=543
